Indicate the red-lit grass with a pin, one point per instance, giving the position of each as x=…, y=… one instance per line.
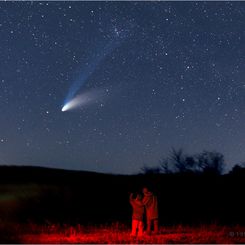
x=120, y=234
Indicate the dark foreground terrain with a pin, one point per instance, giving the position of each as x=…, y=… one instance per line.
x=42, y=205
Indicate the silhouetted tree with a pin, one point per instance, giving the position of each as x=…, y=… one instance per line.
x=205, y=162
x=165, y=166
x=238, y=169
x=210, y=162
x=178, y=160
x=190, y=162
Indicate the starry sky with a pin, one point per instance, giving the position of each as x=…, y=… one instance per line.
x=172, y=74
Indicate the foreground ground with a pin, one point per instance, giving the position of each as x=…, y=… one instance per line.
x=120, y=234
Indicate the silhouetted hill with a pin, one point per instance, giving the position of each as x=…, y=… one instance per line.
x=12, y=174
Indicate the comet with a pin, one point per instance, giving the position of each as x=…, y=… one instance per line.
x=104, y=50
x=86, y=98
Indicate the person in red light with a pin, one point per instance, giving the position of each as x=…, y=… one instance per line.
x=151, y=205
x=137, y=215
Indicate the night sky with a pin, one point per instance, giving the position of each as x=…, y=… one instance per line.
x=145, y=76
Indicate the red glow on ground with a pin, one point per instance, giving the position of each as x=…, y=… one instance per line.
x=111, y=235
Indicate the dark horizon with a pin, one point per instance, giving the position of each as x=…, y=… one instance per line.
x=215, y=164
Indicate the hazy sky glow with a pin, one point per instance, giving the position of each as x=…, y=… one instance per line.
x=153, y=75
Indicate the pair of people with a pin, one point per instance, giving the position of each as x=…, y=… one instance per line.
x=146, y=203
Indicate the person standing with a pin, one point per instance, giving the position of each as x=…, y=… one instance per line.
x=137, y=215
x=151, y=205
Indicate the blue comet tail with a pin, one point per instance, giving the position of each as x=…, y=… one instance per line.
x=91, y=66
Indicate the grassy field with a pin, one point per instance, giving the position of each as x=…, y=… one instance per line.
x=120, y=234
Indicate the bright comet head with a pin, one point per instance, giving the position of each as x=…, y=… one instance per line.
x=65, y=107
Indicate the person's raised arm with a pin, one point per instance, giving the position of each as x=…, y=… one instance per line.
x=131, y=199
